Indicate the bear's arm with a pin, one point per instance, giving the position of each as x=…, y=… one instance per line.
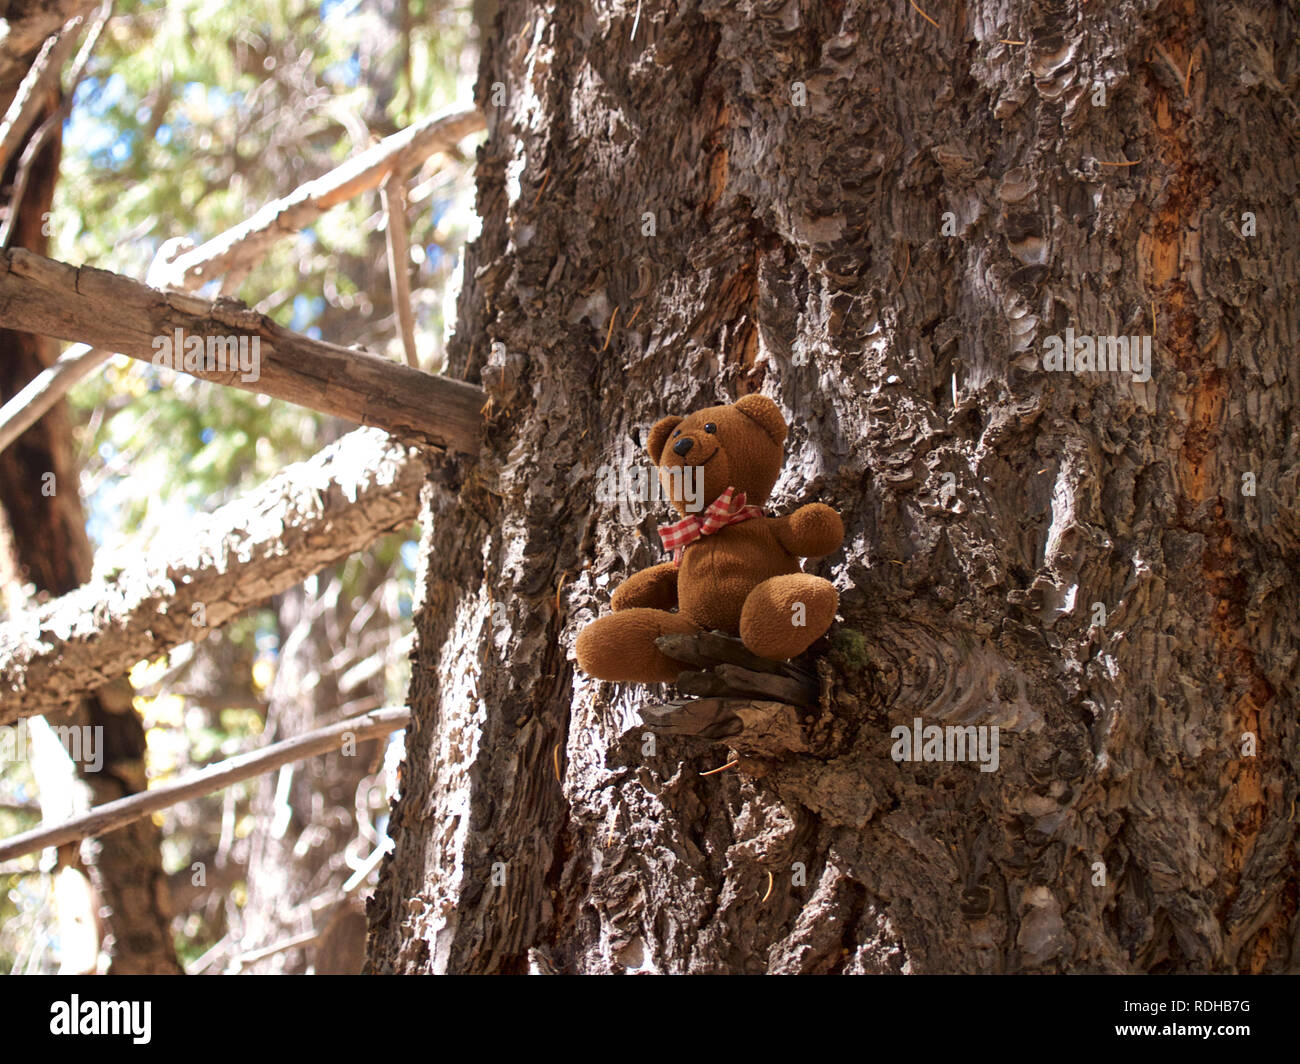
x=812, y=531
x=654, y=588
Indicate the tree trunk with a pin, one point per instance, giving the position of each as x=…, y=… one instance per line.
x=49, y=548
x=879, y=222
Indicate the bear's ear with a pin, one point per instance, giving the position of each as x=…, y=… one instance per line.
x=654, y=445
x=768, y=415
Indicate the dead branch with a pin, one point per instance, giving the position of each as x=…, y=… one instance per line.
x=49, y=298
x=113, y=815
x=399, y=262
x=397, y=155
x=25, y=26
x=307, y=517
x=54, y=121
x=34, y=90
x=46, y=389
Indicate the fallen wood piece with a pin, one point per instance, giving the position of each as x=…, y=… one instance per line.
x=113, y=815
x=245, y=349
x=709, y=718
x=751, y=704
x=196, y=578
x=733, y=680
x=707, y=649
x=756, y=728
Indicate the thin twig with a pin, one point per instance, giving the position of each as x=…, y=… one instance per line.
x=112, y=815
x=610, y=332
x=393, y=195
x=55, y=121
x=923, y=14
x=46, y=389
x=255, y=955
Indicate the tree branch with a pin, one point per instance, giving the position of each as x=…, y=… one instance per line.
x=304, y=519
x=37, y=142
x=26, y=25
x=35, y=87
x=238, y=248
x=113, y=815
x=103, y=309
x=46, y=389
x=247, y=242
x=393, y=193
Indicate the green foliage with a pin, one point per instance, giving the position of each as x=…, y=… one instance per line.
x=851, y=646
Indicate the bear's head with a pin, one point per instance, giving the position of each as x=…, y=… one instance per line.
x=739, y=445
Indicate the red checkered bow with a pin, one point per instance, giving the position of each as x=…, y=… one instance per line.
x=721, y=512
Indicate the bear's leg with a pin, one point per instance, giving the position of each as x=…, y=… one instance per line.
x=621, y=647
x=784, y=615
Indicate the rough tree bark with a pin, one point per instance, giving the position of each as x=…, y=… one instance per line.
x=1102, y=164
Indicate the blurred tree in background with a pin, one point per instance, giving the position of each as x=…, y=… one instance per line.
x=191, y=116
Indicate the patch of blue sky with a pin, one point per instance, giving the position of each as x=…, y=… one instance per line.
x=88, y=130
x=345, y=74
x=306, y=310
x=338, y=9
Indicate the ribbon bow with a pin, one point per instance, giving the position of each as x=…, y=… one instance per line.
x=722, y=511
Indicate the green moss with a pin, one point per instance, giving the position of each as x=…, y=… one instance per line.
x=851, y=646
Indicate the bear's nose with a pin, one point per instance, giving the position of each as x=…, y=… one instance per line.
x=683, y=445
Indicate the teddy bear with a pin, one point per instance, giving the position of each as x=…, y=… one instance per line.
x=733, y=568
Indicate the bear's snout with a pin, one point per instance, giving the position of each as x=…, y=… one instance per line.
x=683, y=445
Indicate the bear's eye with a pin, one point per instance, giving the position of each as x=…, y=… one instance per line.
x=677, y=433
x=710, y=427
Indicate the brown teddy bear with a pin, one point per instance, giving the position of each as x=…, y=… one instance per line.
x=733, y=569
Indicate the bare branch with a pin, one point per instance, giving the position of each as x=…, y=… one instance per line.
x=49, y=298
x=25, y=26
x=113, y=815
x=34, y=90
x=305, y=518
x=396, y=155
x=46, y=389
x=36, y=143
x=393, y=192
